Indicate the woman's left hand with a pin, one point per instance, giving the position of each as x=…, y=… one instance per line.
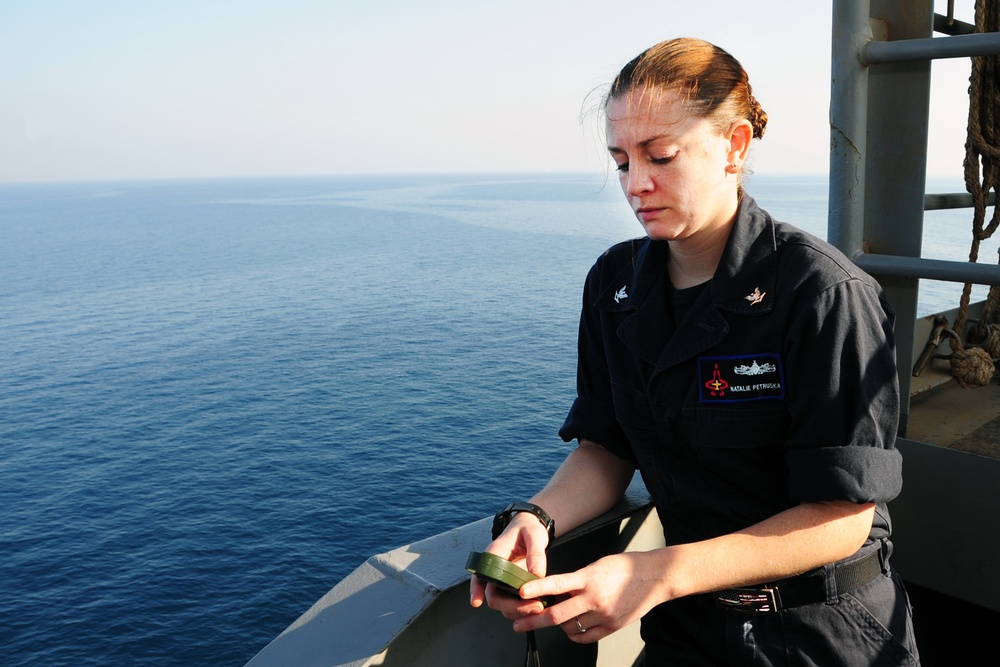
x=600, y=598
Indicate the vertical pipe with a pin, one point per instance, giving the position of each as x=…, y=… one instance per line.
x=848, y=120
x=896, y=170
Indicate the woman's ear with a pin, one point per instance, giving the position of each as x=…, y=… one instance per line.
x=739, y=136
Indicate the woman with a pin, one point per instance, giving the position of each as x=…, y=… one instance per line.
x=747, y=370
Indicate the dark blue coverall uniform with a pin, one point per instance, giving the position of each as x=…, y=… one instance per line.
x=770, y=385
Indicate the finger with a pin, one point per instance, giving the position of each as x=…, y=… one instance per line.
x=589, y=636
x=503, y=545
x=536, y=562
x=511, y=606
x=561, y=614
x=554, y=585
x=477, y=592
x=574, y=626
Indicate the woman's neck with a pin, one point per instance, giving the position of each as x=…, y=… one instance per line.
x=694, y=258
x=682, y=278
x=693, y=261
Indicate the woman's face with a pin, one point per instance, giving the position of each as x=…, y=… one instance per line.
x=675, y=169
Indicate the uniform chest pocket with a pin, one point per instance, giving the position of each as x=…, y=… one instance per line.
x=732, y=428
x=632, y=408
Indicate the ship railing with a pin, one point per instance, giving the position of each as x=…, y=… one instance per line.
x=879, y=122
x=880, y=93
x=850, y=120
x=410, y=606
x=962, y=44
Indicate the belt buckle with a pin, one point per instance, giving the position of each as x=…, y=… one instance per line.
x=749, y=600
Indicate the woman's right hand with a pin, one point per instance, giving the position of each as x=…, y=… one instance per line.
x=523, y=543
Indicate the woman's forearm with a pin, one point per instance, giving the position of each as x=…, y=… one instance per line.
x=797, y=540
x=588, y=483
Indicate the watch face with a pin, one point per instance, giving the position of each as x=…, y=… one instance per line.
x=500, y=522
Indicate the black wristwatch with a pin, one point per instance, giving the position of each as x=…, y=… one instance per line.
x=503, y=517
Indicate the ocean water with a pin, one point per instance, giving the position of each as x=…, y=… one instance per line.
x=218, y=398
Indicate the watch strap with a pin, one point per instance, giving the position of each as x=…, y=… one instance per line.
x=504, y=516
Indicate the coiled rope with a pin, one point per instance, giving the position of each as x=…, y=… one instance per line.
x=974, y=366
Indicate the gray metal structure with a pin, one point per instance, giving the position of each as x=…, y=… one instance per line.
x=410, y=607
x=947, y=520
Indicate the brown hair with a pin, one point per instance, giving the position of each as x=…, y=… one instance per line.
x=712, y=81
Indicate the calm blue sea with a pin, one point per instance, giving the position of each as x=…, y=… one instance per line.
x=217, y=398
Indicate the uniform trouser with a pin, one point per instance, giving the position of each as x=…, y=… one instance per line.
x=870, y=626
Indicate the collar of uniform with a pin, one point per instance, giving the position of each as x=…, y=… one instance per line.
x=641, y=269
x=748, y=266
x=633, y=281
x=745, y=280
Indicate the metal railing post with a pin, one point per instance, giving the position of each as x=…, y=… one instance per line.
x=848, y=124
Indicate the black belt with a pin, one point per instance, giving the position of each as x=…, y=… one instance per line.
x=802, y=590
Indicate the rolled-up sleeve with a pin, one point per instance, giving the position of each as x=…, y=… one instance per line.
x=844, y=398
x=856, y=474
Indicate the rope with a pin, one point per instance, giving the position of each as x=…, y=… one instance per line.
x=975, y=367
x=972, y=367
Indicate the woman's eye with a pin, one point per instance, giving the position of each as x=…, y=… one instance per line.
x=623, y=167
x=661, y=160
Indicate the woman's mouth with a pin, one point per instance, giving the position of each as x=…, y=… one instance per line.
x=647, y=213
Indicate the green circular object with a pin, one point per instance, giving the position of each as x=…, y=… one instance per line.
x=490, y=567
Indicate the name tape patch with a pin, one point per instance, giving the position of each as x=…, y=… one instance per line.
x=753, y=377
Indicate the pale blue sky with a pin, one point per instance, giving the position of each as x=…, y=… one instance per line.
x=111, y=89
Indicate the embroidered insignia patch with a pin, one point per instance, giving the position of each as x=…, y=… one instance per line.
x=755, y=297
x=754, y=377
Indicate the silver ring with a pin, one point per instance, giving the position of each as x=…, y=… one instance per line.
x=579, y=627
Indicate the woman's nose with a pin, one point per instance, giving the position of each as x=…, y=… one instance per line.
x=639, y=181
